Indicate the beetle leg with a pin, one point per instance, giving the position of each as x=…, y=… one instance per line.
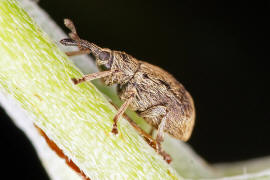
x=160, y=139
x=153, y=115
x=160, y=132
x=90, y=77
x=79, y=52
x=151, y=132
x=149, y=139
x=121, y=111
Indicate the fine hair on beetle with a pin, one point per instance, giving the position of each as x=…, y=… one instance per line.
x=145, y=88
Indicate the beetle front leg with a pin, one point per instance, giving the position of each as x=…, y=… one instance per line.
x=121, y=111
x=90, y=77
x=79, y=52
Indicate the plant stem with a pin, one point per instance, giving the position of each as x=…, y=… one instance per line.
x=78, y=119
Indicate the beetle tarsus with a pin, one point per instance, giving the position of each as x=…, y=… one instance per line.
x=75, y=81
x=166, y=157
x=115, y=129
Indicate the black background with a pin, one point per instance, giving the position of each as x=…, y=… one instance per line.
x=217, y=49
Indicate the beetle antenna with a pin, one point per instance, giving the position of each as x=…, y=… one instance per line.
x=75, y=40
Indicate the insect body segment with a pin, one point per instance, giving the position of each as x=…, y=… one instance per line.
x=147, y=89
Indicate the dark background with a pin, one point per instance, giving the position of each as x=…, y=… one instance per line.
x=217, y=49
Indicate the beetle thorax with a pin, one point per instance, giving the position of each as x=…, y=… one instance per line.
x=125, y=65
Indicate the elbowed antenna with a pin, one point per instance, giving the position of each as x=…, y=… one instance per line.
x=75, y=40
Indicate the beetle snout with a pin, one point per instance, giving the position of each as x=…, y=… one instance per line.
x=68, y=42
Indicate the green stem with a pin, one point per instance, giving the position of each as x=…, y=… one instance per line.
x=77, y=118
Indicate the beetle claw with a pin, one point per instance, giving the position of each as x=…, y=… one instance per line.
x=115, y=129
x=75, y=81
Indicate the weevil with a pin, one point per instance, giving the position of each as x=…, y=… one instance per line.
x=145, y=88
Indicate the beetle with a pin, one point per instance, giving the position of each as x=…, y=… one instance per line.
x=147, y=89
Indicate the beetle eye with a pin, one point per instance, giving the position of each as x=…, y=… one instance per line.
x=104, y=55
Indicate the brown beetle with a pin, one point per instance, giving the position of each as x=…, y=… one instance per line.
x=147, y=89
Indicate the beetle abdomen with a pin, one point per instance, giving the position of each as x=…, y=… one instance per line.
x=181, y=120
x=158, y=94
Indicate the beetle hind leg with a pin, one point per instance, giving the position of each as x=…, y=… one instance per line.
x=160, y=139
x=157, y=116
